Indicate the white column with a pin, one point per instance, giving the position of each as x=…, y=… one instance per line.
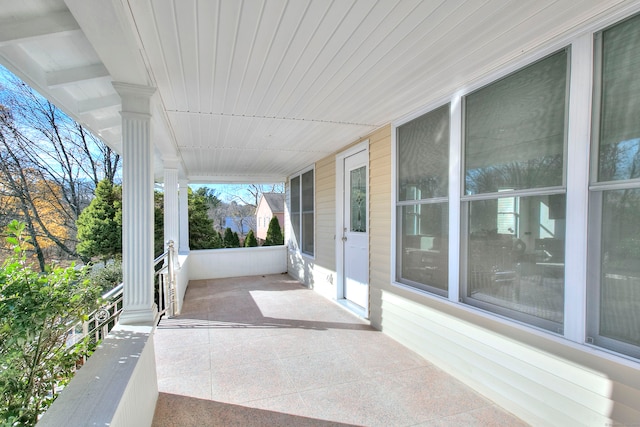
x=137, y=205
x=183, y=198
x=171, y=223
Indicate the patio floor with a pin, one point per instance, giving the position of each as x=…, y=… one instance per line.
x=266, y=351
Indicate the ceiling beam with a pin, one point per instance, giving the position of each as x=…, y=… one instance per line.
x=93, y=104
x=37, y=27
x=109, y=124
x=74, y=75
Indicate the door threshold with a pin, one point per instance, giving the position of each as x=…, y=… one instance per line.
x=354, y=308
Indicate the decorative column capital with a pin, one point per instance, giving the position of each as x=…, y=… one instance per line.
x=135, y=98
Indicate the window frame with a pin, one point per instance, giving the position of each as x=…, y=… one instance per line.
x=578, y=186
x=467, y=199
x=400, y=204
x=293, y=239
x=597, y=189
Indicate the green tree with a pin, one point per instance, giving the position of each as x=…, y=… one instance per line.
x=274, y=233
x=236, y=240
x=201, y=231
x=158, y=223
x=250, y=241
x=227, y=240
x=100, y=224
x=35, y=312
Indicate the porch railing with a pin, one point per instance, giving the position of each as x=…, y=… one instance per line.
x=165, y=281
x=101, y=321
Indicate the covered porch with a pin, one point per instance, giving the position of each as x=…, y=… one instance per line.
x=265, y=350
x=196, y=92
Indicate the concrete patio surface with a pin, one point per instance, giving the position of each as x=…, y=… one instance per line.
x=266, y=351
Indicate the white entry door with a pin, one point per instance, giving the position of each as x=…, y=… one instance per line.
x=355, y=232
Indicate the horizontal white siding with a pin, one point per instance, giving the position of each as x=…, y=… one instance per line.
x=538, y=386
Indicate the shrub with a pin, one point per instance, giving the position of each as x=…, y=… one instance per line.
x=274, y=233
x=250, y=241
x=36, y=310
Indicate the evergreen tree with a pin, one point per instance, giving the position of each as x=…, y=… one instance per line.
x=158, y=223
x=227, y=240
x=250, y=241
x=236, y=240
x=100, y=224
x=274, y=233
x=201, y=232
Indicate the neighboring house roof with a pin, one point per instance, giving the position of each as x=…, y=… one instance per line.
x=275, y=201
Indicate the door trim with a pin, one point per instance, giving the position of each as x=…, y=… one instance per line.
x=340, y=157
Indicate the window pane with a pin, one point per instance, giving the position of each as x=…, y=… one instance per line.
x=515, y=249
x=424, y=247
x=307, y=233
x=619, y=149
x=423, y=156
x=358, y=199
x=307, y=212
x=620, y=266
x=295, y=207
x=515, y=129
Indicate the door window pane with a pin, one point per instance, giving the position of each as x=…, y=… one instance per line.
x=619, y=148
x=515, y=129
x=515, y=258
x=358, y=199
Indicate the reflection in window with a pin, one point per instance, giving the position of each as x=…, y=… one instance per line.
x=423, y=156
x=614, y=293
x=620, y=260
x=619, y=130
x=425, y=246
x=423, y=209
x=515, y=141
x=518, y=271
x=514, y=129
x=307, y=213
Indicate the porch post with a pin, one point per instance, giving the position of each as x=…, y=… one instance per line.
x=171, y=230
x=183, y=198
x=137, y=205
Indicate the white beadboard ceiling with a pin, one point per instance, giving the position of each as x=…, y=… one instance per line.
x=254, y=90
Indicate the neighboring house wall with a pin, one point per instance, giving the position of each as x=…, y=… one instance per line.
x=263, y=217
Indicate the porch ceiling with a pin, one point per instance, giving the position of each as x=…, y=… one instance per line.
x=255, y=90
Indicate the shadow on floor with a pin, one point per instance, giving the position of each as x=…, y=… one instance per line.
x=176, y=410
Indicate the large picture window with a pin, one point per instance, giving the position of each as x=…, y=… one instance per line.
x=513, y=210
x=508, y=163
x=302, y=211
x=423, y=208
x=614, y=293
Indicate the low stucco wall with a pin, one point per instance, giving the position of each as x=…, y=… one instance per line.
x=117, y=386
x=236, y=262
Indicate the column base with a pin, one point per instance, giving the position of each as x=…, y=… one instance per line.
x=146, y=316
